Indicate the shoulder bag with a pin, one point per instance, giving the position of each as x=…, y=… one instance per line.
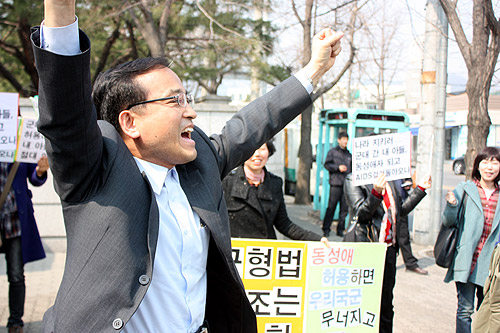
x=446, y=242
x=360, y=232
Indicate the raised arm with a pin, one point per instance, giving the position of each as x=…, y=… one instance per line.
x=263, y=118
x=68, y=119
x=59, y=13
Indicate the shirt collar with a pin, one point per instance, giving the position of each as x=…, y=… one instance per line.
x=156, y=174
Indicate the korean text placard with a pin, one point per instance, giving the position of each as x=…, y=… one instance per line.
x=9, y=103
x=389, y=153
x=307, y=287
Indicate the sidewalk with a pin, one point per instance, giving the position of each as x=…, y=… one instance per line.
x=422, y=303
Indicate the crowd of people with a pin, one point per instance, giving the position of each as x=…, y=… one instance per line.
x=150, y=202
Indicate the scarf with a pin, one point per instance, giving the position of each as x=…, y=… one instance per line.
x=255, y=179
x=388, y=228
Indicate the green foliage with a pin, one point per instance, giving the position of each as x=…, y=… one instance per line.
x=16, y=17
x=207, y=46
x=205, y=41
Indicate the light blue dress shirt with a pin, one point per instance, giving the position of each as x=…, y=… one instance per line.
x=177, y=295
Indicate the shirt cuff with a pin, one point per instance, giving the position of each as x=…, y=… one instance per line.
x=420, y=187
x=305, y=81
x=378, y=195
x=61, y=40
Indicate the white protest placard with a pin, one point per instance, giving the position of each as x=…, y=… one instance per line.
x=31, y=143
x=389, y=153
x=9, y=104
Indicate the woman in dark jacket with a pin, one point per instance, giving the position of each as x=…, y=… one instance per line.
x=255, y=201
x=381, y=204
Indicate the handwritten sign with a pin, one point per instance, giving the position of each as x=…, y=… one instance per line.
x=389, y=153
x=9, y=104
x=306, y=287
x=31, y=143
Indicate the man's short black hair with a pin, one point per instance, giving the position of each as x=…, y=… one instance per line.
x=117, y=88
x=343, y=134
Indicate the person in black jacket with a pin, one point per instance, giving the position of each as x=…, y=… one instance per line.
x=382, y=205
x=255, y=201
x=338, y=163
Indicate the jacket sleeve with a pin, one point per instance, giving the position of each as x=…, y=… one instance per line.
x=33, y=177
x=362, y=203
x=68, y=120
x=330, y=162
x=494, y=292
x=451, y=211
x=284, y=225
x=257, y=122
x=412, y=201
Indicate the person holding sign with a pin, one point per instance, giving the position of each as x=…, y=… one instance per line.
x=478, y=234
x=381, y=204
x=148, y=237
x=338, y=163
x=20, y=238
x=255, y=201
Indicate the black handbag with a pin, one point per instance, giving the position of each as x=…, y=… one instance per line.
x=446, y=242
x=360, y=232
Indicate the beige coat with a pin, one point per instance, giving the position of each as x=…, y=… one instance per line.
x=487, y=318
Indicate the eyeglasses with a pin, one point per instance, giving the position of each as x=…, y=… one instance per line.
x=182, y=100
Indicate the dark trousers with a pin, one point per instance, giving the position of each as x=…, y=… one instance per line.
x=336, y=195
x=403, y=236
x=386, y=307
x=15, y=276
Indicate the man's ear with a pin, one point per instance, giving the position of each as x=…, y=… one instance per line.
x=127, y=122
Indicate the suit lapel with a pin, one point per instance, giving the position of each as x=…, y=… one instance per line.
x=200, y=199
x=154, y=222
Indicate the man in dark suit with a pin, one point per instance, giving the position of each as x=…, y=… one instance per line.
x=147, y=226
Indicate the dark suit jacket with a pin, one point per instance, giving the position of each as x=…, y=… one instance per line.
x=109, y=209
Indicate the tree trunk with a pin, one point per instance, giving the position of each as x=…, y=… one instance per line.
x=303, y=175
x=26, y=57
x=478, y=119
x=480, y=58
x=302, y=194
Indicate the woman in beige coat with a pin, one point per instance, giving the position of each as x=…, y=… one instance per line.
x=488, y=316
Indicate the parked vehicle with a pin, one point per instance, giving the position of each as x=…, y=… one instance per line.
x=459, y=166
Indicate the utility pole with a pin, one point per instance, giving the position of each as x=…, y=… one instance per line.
x=431, y=134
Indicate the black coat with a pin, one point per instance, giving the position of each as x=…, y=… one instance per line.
x=253, y=211
x=363, y=203
x=336, y=157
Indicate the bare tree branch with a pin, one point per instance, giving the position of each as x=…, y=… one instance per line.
x=13, y=81
x=297, y=14
x=331, y=84
x=449, y=7
x=490, y=16
x=110, y=41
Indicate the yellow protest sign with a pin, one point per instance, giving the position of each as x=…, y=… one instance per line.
x=298, y=286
